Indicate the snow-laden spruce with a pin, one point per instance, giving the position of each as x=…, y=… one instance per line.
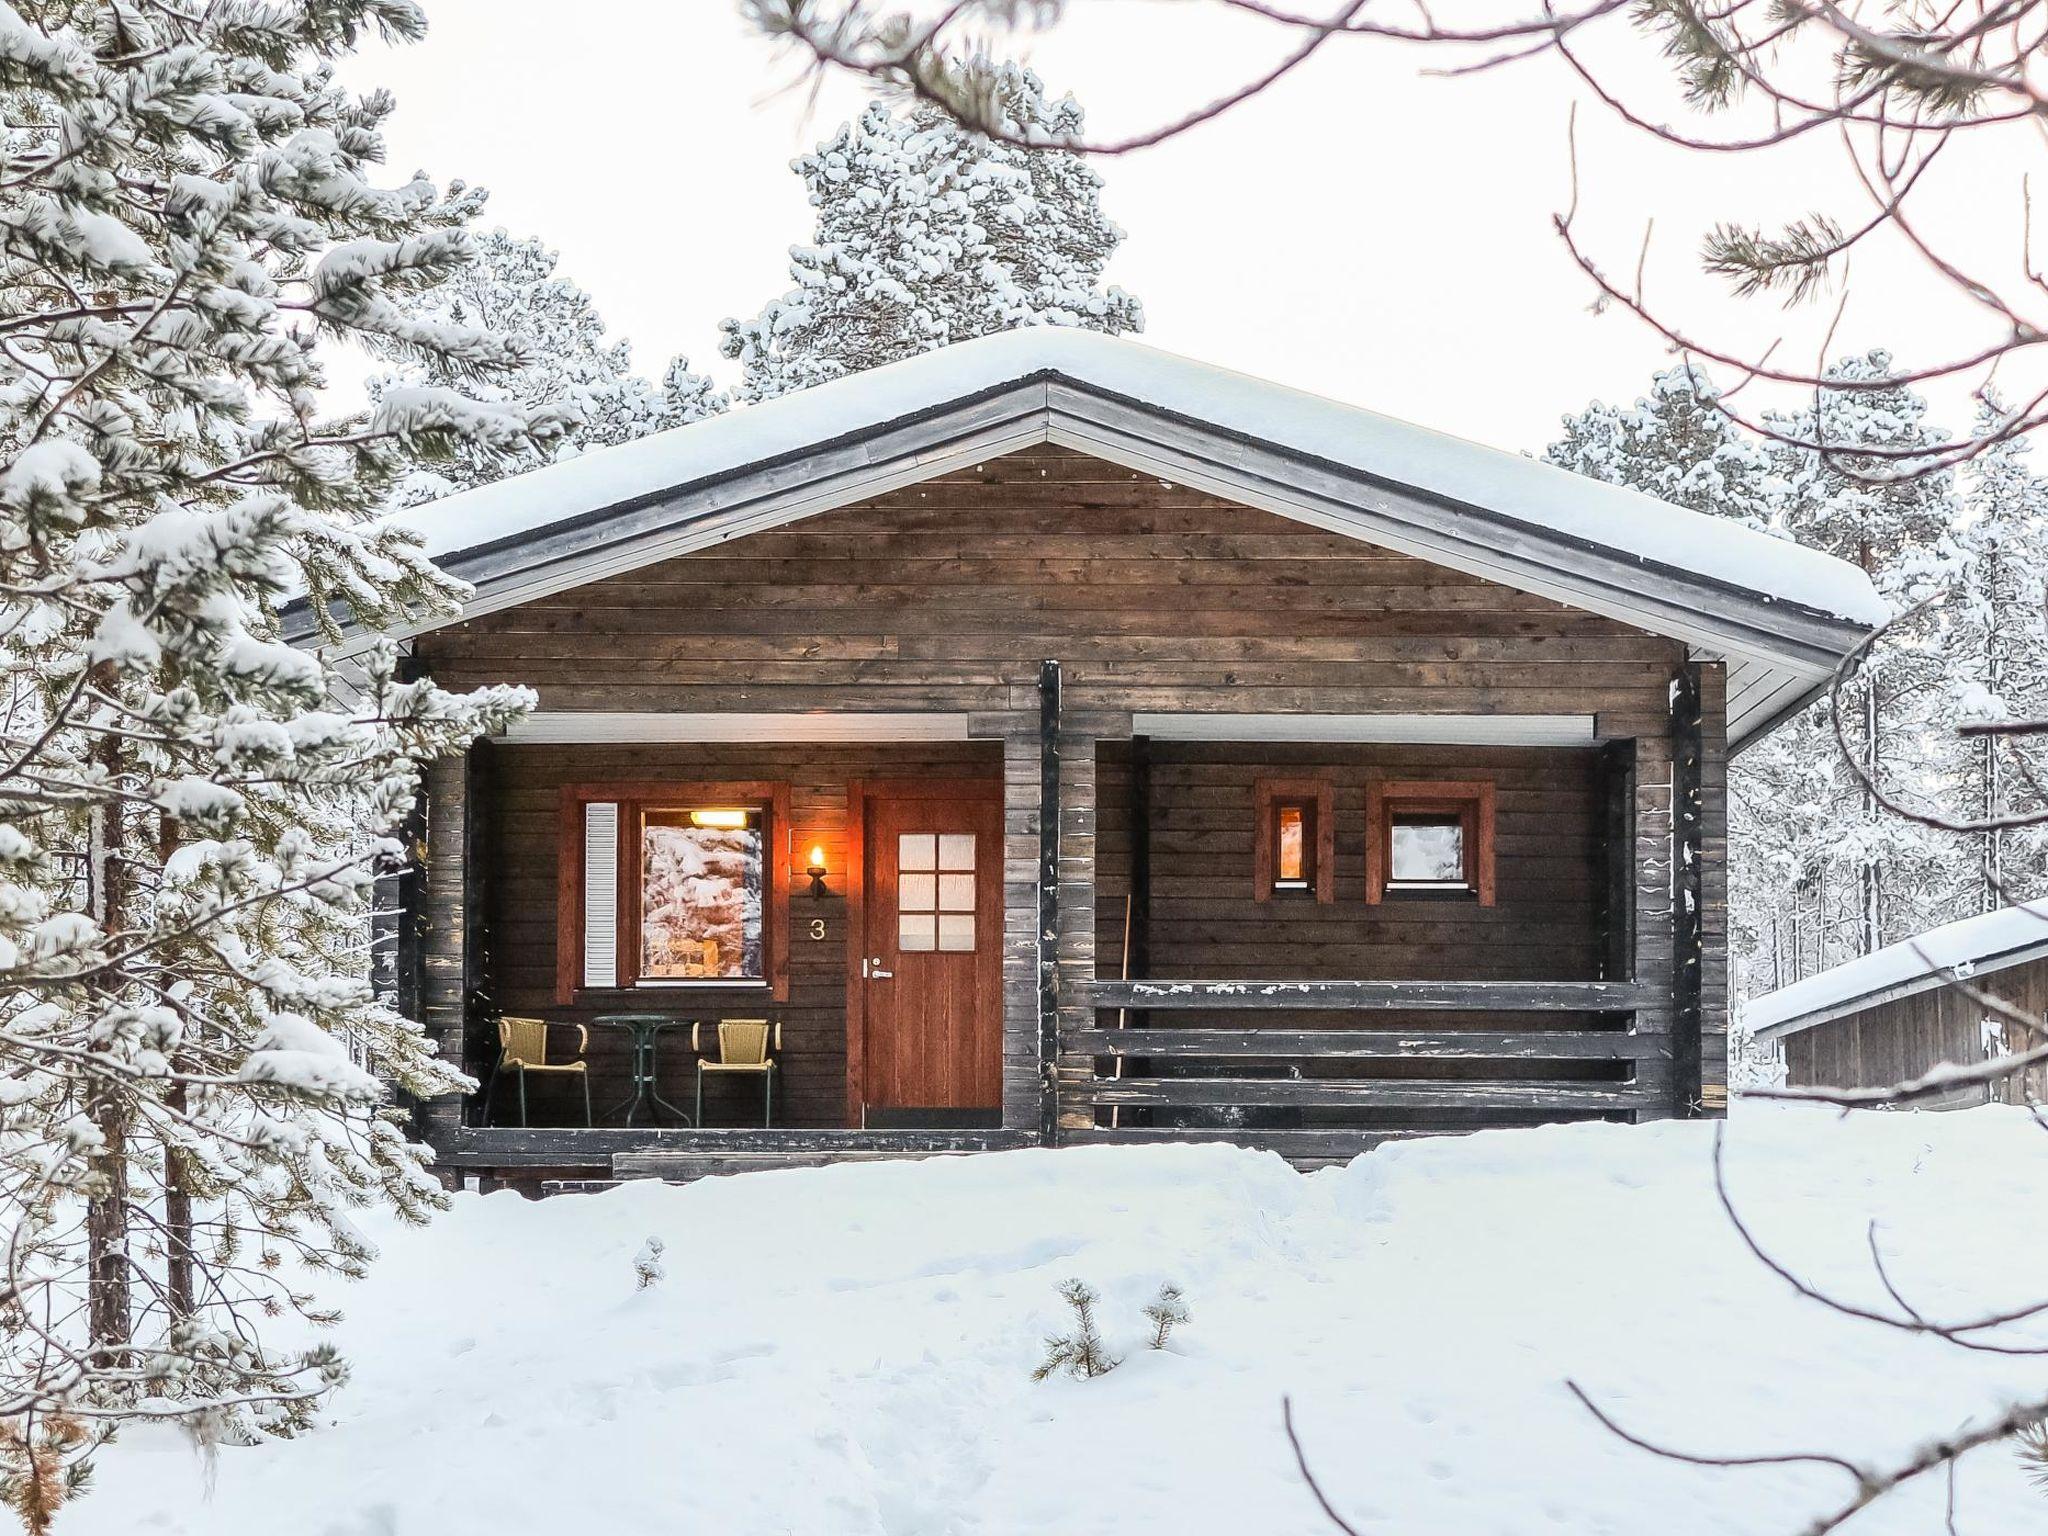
x=190, y=1053
x=512, y=289
x=928, y=234
x=1821, y=871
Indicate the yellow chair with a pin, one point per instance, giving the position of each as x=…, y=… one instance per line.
x=744, y=1045
x=523, y=1046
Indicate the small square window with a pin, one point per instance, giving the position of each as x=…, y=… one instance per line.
x=1429, y=838
x=1428, y=852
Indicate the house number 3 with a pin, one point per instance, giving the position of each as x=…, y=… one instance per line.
x=817, y=927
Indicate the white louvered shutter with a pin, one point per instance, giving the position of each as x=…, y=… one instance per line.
x=601, y=893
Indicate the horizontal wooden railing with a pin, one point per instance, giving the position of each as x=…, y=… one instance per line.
x=1453, y=996
x=1584, y=1037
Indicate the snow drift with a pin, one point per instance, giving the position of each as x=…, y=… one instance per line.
x=850, y=1349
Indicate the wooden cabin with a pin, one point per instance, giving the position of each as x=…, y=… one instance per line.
x=1064, y=742
x=1918, y=1005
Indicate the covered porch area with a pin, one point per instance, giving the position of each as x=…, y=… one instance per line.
x=1041, y=926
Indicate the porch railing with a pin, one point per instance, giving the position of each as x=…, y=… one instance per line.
x=1182, y=1049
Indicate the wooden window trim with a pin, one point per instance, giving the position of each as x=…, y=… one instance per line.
x=634, y=797
x=1472, y=800
x=1267, y=796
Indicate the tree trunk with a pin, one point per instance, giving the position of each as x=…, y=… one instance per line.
x=1870, y=935
x=108, y=1313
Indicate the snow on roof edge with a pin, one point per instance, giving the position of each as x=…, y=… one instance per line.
x=1511, y=485
x=1963, y=948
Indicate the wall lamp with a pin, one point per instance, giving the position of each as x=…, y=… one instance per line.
x=816, y=870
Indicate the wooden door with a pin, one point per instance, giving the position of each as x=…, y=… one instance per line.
x=927, y=1018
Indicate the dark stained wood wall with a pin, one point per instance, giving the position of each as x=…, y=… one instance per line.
x=522, y=915
x=950, y=595
x=1206, y=921
x=1908, y=1036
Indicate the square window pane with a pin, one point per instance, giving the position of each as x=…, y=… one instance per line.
x=956, y=893
x=916, y=850
x=1428, y=850
x=956, y=930
x=700, y=895
x=916, y=931
x=915, y=893
x=956, y=850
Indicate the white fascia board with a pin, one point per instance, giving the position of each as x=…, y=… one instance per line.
x=1435, y=730
x=593, y=726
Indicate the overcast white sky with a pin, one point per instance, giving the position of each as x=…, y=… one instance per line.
x=1362, y=230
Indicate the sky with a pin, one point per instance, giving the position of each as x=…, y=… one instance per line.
x=1367, y=229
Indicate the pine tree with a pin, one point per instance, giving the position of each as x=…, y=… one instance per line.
x=927, y=234
x=1821, y=874
x=512, y=289
x=1676, y=444
x=1998, y=653
x=1894, y=876
x=192, y=1064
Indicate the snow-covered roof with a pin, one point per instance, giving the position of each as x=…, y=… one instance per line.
x=1779, y=616
x=1387, y=449
x=1975, y=946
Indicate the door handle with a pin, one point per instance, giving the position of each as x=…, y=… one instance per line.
x=872, y=970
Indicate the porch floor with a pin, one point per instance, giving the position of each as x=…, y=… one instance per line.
x=576, y=1158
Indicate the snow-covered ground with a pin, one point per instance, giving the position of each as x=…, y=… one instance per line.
x=850, y=1349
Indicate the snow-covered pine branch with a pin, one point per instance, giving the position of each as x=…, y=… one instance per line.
x=193, y=1068
x=928, y=234
x=512, y=289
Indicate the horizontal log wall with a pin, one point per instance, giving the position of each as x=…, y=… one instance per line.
x=524, y=827
x=950, y=595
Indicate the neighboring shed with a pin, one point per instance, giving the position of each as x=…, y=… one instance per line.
x=1897, y=1014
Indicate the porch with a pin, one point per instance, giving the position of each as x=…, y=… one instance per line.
x=1142, y=984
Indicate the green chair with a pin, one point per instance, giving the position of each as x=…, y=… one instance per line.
x=523, y=1046
x=744, y=1045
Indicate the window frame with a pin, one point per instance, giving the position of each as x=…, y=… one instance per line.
x=769, y=798
x=1470, y=800
x=1318, y=794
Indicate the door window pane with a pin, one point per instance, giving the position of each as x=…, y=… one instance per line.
x=956, y=850
x=916, y=893
x=916, y=850
x=956, y=930
x=915, y=931
x=956, y=893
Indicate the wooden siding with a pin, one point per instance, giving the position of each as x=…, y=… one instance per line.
x=1903, y=1038
x=951, y=595
x=948, y=595
x=523, y=826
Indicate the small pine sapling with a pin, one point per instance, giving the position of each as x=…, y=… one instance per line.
x=1079, y=1353
x=40, y=1466
x=647, y=1270
x=1167, y=1312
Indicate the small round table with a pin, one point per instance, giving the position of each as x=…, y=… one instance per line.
x=645, y=1029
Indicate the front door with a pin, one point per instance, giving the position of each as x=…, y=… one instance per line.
x=930, y=970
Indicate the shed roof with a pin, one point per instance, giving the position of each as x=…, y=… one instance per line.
x=1975, y=946
x=1782, y=615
